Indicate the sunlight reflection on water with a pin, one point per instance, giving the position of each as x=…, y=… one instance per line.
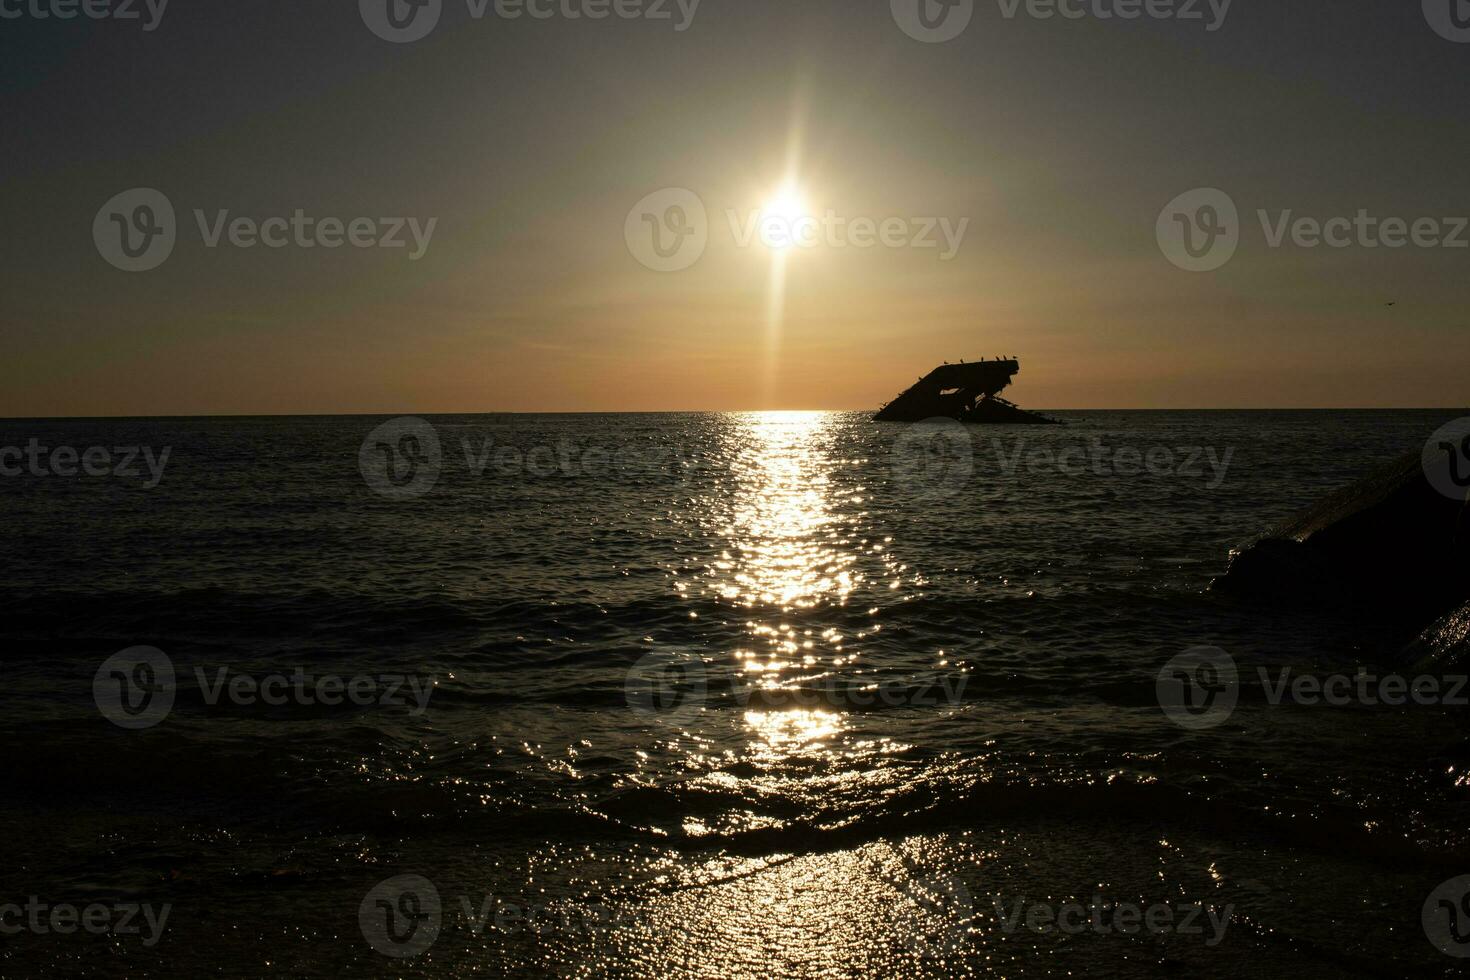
x=785, y=550
x=788, y=551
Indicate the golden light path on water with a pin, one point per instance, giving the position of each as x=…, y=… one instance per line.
x=788, y=553
x=798, y=552
x=791, y=551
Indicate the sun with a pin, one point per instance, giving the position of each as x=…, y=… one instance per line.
x=786, y=202
x=786, y=209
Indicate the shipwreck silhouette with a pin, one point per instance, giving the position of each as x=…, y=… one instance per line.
x=965, y=392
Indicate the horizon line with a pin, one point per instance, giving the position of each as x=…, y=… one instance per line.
x=699, y=411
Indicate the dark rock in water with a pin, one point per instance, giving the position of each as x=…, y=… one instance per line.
x=1390, y=543
x=1281, y=568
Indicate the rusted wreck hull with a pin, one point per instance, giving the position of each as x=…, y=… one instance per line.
x=965, y=392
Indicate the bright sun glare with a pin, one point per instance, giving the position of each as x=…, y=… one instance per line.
x=787, y=206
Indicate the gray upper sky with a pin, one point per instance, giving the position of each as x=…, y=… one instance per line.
x=520, y=160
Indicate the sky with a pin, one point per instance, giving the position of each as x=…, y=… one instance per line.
x=536, y=157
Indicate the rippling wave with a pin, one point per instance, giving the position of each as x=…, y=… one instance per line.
x=699, y=640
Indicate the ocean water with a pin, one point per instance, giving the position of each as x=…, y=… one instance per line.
x=703, y=695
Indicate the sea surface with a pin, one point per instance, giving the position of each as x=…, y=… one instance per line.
x=697, y=695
